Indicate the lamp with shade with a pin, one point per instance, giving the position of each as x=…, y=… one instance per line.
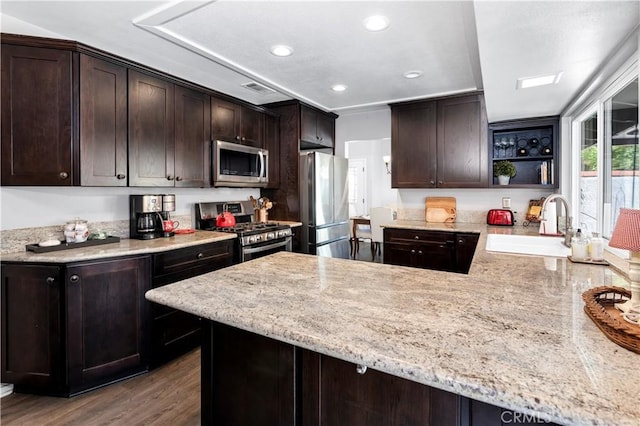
x=626, y=236
x=387, y=161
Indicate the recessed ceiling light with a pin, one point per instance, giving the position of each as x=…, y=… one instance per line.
x=376, y=23
x=338, y=87
x=412, y=74
x=281, y=50
x=541, y=80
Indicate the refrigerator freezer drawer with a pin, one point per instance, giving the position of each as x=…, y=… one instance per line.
x=339, y=249
x=328, y=233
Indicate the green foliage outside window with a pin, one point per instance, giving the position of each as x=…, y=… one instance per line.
x=623, y=157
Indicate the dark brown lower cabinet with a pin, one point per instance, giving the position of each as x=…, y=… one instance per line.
x=248, y=379
x=175, y=332
x=67, y=329
x=438, y=250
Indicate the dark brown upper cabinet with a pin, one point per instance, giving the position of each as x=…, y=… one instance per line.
x=272, y=144
x=37, y=136
x=103, y=123
x=151, y=131
x=193, y=136
x=233, y=122
x=316, y=129
x=439, y=143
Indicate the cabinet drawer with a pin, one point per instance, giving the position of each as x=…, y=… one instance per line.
x=413, y=236
x=188, y=262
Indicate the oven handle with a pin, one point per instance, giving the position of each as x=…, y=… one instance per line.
x=264, y=248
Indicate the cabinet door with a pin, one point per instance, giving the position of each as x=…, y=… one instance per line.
x=325, y=130
x=193, y=138
x=247, y=379
x=106, y=320
x=308, y=124
x=103, y=123
x=272, y=144
x=413, y=146
x=151, y=131
x=225, y=121
x=349, y=396
x=252, y=128
x=36, y=116
x=462, y=143
x=32, y=355
x=465, y=248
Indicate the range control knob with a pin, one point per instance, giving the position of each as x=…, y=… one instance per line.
x=270, y=236
x=252, y=239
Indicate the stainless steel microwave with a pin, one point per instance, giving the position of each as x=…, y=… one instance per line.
x=239, y=165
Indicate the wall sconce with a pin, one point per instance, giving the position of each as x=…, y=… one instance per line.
x=387, y=161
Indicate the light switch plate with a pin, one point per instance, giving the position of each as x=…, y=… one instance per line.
x=506, y=202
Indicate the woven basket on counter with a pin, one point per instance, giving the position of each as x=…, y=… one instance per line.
x=600, y=308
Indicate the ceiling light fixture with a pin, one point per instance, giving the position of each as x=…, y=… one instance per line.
x=338, y=87
x=376, y=23
x=412, y=74
x=541, y=80
x=281, y=50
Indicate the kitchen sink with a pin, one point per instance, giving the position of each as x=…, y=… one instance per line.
x=527, y=244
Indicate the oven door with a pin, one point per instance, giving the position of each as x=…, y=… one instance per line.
x=239, y=165
x=266, y=248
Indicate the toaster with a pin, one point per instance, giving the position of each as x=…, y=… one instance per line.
x=502, y=217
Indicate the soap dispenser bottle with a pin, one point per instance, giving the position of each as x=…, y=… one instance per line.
x=579, y=246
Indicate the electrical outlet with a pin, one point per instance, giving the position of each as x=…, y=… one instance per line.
x=506, y=202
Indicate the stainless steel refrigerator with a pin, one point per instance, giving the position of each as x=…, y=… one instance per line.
x=324, y=205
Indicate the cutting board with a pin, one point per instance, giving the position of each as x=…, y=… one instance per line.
x=440, y=209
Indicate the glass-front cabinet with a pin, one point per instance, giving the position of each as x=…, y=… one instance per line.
x=531, y=145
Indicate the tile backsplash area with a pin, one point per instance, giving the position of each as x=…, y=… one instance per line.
x=13, y=240
x=462, y=216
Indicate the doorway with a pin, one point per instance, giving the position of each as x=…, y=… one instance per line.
x=357, y=179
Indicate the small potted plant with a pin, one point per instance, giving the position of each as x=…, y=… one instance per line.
x=504, y=170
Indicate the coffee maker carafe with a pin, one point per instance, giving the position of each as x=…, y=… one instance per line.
x=145, y=217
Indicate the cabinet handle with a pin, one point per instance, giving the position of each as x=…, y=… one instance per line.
x=243, y=139
x=420, y=252
x=432, y=182
x=120, y=177
x=413, y=252
x=237, y=138
x=440, y=182
x=361, y=369
x=169, y=177
x=178, y=178
x=63, y=175
x=74, y=279
x=417, y=237
x=200, y=256
x=460, y=241
x=50, y=280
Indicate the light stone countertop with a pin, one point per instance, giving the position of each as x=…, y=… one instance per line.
x=125, y=247
x=512, y=333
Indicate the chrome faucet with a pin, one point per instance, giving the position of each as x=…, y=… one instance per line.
x=568, y=232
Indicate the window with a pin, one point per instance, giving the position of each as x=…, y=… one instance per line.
x=606, y=136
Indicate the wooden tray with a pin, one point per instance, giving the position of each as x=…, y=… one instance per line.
x=599, y=306
x=68, y=246
x=589, y=261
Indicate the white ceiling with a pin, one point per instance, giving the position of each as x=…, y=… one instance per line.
x=459, y=46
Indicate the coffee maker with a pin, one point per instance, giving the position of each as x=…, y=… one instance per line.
x=146, y=214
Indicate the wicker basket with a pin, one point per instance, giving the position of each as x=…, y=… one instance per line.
x=600, y=308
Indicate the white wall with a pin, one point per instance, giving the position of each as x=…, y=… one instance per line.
x=374, y=126
x=27, y=207
x=378, y=191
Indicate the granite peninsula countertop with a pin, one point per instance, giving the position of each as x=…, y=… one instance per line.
x=512, y=332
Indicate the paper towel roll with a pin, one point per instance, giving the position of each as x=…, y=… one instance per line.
x=550, y=223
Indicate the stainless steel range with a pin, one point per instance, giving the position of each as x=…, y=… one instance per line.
x=255, y=239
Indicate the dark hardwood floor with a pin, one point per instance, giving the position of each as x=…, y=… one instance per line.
x=364, y=253
x=169, y=395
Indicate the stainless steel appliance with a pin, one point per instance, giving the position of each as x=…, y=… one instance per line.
x=147, y=214
x=255, y=239
x=324, y=206
x=239, y=165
